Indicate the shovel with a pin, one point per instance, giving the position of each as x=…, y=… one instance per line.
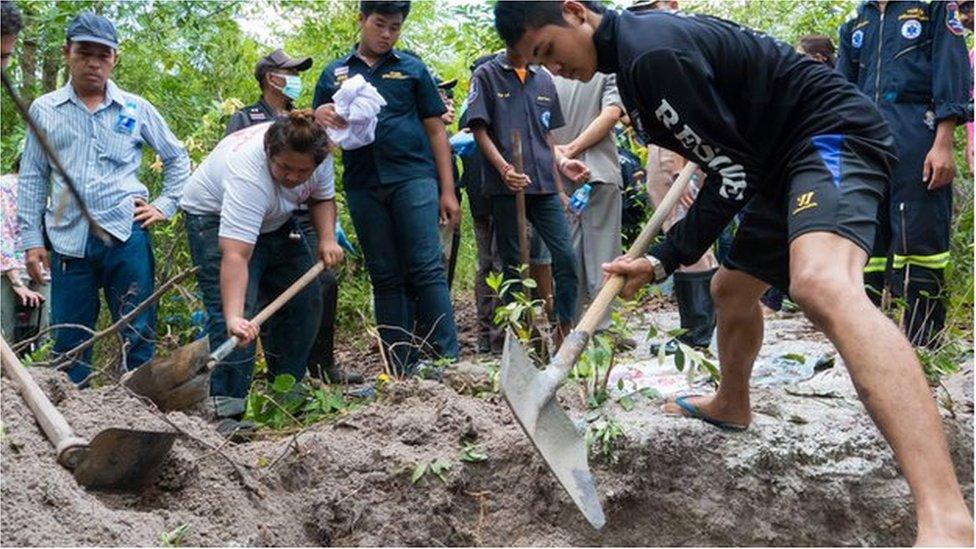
x=121, y=459
x=531, y=393
x=522, y=224
x=182, y=379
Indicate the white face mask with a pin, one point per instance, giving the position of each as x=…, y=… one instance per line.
x=293, y=85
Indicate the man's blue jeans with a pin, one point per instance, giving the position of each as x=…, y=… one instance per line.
x=124, y=272
x=397, y=228
x=276, y=261
x=548, y=219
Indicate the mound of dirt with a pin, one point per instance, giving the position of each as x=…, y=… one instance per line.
x=812, y=470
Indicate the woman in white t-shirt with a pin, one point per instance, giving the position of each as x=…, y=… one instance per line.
x=238, y=207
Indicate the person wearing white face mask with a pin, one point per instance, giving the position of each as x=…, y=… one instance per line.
x=277, y=75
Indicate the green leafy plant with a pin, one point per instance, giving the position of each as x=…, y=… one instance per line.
x=438, y=467
x=473, y=453
x=603, y=434
x=286, y=403
x=174, y=538
x=521, y=312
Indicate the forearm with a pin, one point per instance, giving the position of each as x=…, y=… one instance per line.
x=597, y=131
x=441, y=148
x=944, y=134
x=323, y=213
x=176, y=170
x=14, y=276
x=233, y=284
x=557, y=157
x=488, y=149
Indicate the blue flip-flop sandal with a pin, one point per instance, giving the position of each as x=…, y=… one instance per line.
x=694, y=412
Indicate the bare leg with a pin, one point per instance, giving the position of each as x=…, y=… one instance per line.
x=826, y=272
x=740, y=332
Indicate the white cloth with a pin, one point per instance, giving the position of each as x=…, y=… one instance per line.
x=359, y=103
x=234, y=181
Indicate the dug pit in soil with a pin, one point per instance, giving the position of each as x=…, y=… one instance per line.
x=812, y=470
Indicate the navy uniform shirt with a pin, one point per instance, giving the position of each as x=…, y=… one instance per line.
x=913, y=53
x=401, y=151
x=500, y=101
x=735, y=101
x=257, y=113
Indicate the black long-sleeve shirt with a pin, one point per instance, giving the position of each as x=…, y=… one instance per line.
x=736, y=101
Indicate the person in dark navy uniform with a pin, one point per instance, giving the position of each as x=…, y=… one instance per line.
x=399, y=189
x=807, y=158
x=910, y=59
x=277, y=74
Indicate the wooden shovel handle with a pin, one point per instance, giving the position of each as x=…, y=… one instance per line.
x=521, y=223
x=297, y=286
x=53, y=424
x=611, y=289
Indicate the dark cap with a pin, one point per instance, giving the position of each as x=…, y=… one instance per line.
x=278, y=59
x=446, y=84
x=88, y=27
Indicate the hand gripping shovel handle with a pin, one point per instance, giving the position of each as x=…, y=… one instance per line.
x=574, y=344
x=297, y=286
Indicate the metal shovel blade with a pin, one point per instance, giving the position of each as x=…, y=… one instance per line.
x=174, y=382
x=532, y=398
x=123, y=459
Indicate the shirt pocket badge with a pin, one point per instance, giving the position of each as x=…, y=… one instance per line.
x=125, y=121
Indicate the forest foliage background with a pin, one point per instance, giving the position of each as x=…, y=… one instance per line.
x=194, y=60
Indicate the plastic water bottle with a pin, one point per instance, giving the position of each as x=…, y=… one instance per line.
x=578, y=201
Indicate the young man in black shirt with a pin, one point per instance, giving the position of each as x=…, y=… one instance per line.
x=807, y=158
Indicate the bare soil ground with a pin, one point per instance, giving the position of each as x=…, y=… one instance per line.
x=812, y=470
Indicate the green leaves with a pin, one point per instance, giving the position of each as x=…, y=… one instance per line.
x=438, y=467
x=473, y=453
x=626, y=402
x=287, y=403
x=283, y=383
x=418, y=472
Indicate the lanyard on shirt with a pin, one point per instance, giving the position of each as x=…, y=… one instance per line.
x=53, y=158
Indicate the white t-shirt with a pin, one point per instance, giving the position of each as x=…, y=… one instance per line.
x=235, y=182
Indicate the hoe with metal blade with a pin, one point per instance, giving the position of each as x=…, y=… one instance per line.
x=121, y=459
x=531, y=393
x=182, y=379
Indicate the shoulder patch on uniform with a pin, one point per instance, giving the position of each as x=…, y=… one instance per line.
x=862, y=24
x=952, y=19
x=911, y=29
x=341, y=73
x=857, y=38
x=256, y=114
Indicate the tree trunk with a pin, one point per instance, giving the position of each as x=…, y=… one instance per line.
x=49, y=70
x=28, y=69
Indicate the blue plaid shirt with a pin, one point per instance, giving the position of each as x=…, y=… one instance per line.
x=102, y=152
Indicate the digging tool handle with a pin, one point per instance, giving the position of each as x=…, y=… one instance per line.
x=574, y=344
x=522, y=225
x=69, y=446
x=297, y=286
